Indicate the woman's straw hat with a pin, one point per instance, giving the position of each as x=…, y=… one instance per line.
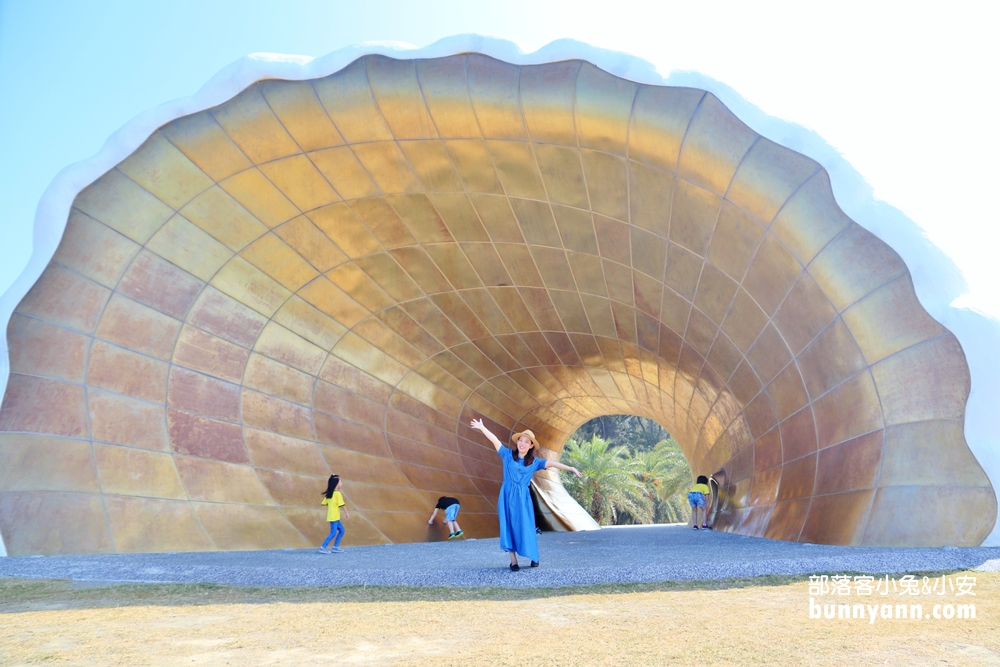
x=527, y=434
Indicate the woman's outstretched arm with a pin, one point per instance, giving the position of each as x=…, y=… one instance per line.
x=477, y=424
x=562, y=466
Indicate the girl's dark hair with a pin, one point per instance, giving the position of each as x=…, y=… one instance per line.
x=529, y=458
x=331, y=485
x=701, y=480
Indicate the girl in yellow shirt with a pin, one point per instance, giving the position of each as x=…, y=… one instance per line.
x=698, y=498
x=334, y=500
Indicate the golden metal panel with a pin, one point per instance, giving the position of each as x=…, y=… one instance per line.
x=693, y=216
x=165, y=172
x=715, y=142
x=927, y=381
x=344, y=172
x=649, y=253
x=250, y=286
x=497, y=217
x=360, y=286
x=767, y=177
x=599, y=315
x=541, y=308
x=810, y=219
x=613, y=239
x=300, y=112
x=386, y=164
x=724, y=357
x=494, y=88
x=222, y=216
x=701, y=333
x=421, y=218
x=421, y=268
x=848, y=411
x=94, y=250
x=345, y=229
x=715, y=293
x=769, y=354
x=432, y=319
x=362, y=354
x=619, y=283
x=650, y=195
x=259, y=196
x=474, y=164
x=745, y=321
x=404, y=325
x=309, y=242
x=487, y=263
x=388, y=341
x=563, y=175
x=520, y=264
x=460, y=216
x=831, y=358
x=189, y=247
x=853, y=265
x=251, y=124
x=890, y=319
x=307, y=321
x=603, y=107
x=333, y=301
x=206, y=144
x=460, y=315
x=547, y=93
x=891, y=521
x=674, y=311
x=123, y=205
x=347, y=97
x=277, y=379
x=514, y=308
x=771, y=275
x=446, y=93
x=734, y=241
x=576, y=227
x=804, y=313
x=452, y=262
x=683, y=270
x=588, y=273
x=570, y=311
x=660, y=119
x=515, y=165
x=299, y=179
x=788, y=395
x=383, y=222
x=607, y=182
x=280, y=262
x=554, y=268
x=397, y=93
x=648, y=295
x=432, y=164
x=482, y=304
x=928, y=452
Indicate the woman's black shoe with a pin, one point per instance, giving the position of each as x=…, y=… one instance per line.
x=534, y=563
x=514, y=567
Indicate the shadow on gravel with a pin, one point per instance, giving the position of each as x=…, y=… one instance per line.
x=24, y=595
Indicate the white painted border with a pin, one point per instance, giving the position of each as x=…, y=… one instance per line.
x=939, y=283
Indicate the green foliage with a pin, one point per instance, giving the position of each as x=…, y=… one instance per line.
x=626, y=478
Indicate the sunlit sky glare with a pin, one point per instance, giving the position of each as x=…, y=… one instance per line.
x=906, y=92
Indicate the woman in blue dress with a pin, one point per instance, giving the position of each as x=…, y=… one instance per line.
x=517, y=514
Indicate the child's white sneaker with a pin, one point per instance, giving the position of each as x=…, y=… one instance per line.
x=324, y=551
x=336, y=550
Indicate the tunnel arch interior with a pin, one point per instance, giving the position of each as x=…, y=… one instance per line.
x=338, y=274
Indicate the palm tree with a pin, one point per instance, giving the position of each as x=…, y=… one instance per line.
x=666, y=475
x=610, y=486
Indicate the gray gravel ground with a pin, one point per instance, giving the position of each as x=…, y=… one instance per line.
x=613, y=555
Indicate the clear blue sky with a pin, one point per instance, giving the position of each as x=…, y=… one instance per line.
x=907, y=97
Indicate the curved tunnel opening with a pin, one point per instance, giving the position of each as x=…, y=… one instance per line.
x=336, y=275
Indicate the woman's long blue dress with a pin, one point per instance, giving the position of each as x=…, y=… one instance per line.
x=517, y=514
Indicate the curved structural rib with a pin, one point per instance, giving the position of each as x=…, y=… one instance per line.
x=337, y=274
